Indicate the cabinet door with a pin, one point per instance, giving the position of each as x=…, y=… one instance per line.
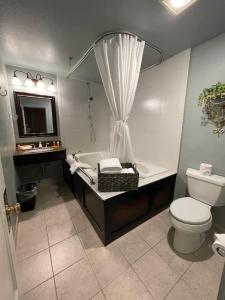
x=78, y=186
x=129, y=209
x=162, y=193
x=95, y=207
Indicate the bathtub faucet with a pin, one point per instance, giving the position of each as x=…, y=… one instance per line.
x=75, y=153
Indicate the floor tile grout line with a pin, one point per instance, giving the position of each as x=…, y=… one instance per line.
x=150, y=292
x=148, y=242
x=69, y=237
x=177, y=281
x=39, y=251
x=191, y=289
x=89, y=262
x=36, y=286
x=76, y=233
x=92, y=297
x=129, y=267
x=74, y=263
x=51, y=258
x=179, y=276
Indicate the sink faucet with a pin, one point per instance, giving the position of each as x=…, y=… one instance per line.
x=33, y=146
x=46, y=145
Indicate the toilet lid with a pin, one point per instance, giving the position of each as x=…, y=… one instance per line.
x=191, y=211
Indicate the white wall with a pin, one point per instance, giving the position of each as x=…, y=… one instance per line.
x=157, y=115
x=75, y=131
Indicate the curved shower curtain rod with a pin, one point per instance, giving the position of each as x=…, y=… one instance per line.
x=88, y=51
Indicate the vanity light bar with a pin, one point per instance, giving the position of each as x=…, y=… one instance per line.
x=33, y=81
x=177, y=6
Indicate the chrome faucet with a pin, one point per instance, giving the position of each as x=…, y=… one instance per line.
x=33, y=146
x=75, y=153
x=46, y=145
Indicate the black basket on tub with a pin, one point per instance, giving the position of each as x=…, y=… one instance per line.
x=118, y=182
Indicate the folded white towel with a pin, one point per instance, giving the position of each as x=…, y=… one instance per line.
x=77, y=165
x=70, y=159
x=110, y=164
x=127, y=171
x=112, y=172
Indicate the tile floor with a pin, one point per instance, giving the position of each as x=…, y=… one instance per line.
x=61, y=257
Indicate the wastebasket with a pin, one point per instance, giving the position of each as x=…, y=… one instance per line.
x=26, y=196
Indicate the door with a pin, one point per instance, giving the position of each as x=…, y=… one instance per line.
x=8, y=282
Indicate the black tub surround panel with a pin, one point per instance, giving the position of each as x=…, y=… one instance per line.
x=115, y=216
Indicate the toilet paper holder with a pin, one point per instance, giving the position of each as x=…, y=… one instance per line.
x=220, y=251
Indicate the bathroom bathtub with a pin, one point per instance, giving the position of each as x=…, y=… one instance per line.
x=92, y=158
x=113, y=214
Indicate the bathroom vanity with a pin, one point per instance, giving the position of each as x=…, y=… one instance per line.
x=114, y=214
x=36, y=156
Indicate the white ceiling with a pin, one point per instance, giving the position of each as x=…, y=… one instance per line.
x=43, y=34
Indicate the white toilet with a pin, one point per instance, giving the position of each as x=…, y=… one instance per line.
x=191, y=216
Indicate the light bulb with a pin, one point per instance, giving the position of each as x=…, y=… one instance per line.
x=177, y=6
x=179, y=3
x=16, y=80
x=40, y=84
x=29, y=82
x=51, y=87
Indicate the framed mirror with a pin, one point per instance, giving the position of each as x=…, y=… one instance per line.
x=36, y=114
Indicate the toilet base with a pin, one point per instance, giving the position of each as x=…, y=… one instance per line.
x=184, y=242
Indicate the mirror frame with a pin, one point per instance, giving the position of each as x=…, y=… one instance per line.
x=17, y=96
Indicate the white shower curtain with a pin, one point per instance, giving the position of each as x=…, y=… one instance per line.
x=119, y=62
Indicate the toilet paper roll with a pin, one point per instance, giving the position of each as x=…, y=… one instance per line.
x=205, y=169
x=219, y=245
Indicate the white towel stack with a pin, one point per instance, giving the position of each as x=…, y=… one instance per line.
x=205, y=169
x=110, y=165
x=127, y=171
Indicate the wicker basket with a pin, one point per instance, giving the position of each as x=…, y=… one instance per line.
x=118, y=182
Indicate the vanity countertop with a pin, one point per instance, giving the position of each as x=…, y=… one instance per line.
x=33, y=156
x=31, y=151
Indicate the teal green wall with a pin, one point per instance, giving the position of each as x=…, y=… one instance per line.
x=199, y=143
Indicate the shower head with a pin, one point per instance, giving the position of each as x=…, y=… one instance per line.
x=90, y=98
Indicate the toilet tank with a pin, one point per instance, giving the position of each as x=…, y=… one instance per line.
x=207, y=189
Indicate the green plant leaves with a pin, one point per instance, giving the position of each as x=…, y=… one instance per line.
x=212, y=101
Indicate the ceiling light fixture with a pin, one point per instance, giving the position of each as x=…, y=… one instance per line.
x=177, y=6
x=31, y=81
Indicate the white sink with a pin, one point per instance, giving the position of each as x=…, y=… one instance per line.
x=39, y=150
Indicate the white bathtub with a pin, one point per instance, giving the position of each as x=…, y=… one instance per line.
x=92, y=158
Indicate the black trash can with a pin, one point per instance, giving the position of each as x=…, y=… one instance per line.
x=26, y=196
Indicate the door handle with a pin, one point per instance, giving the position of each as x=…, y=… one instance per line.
x=16, y=209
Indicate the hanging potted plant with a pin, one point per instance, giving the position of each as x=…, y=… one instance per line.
x=212, y=101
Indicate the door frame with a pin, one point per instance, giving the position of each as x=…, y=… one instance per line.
x=9, y=239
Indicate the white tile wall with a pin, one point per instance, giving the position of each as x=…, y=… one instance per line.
x=157, y=115
x=74, y=115
x=156, y=118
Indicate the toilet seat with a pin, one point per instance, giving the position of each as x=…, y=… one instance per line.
x=190, y=211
